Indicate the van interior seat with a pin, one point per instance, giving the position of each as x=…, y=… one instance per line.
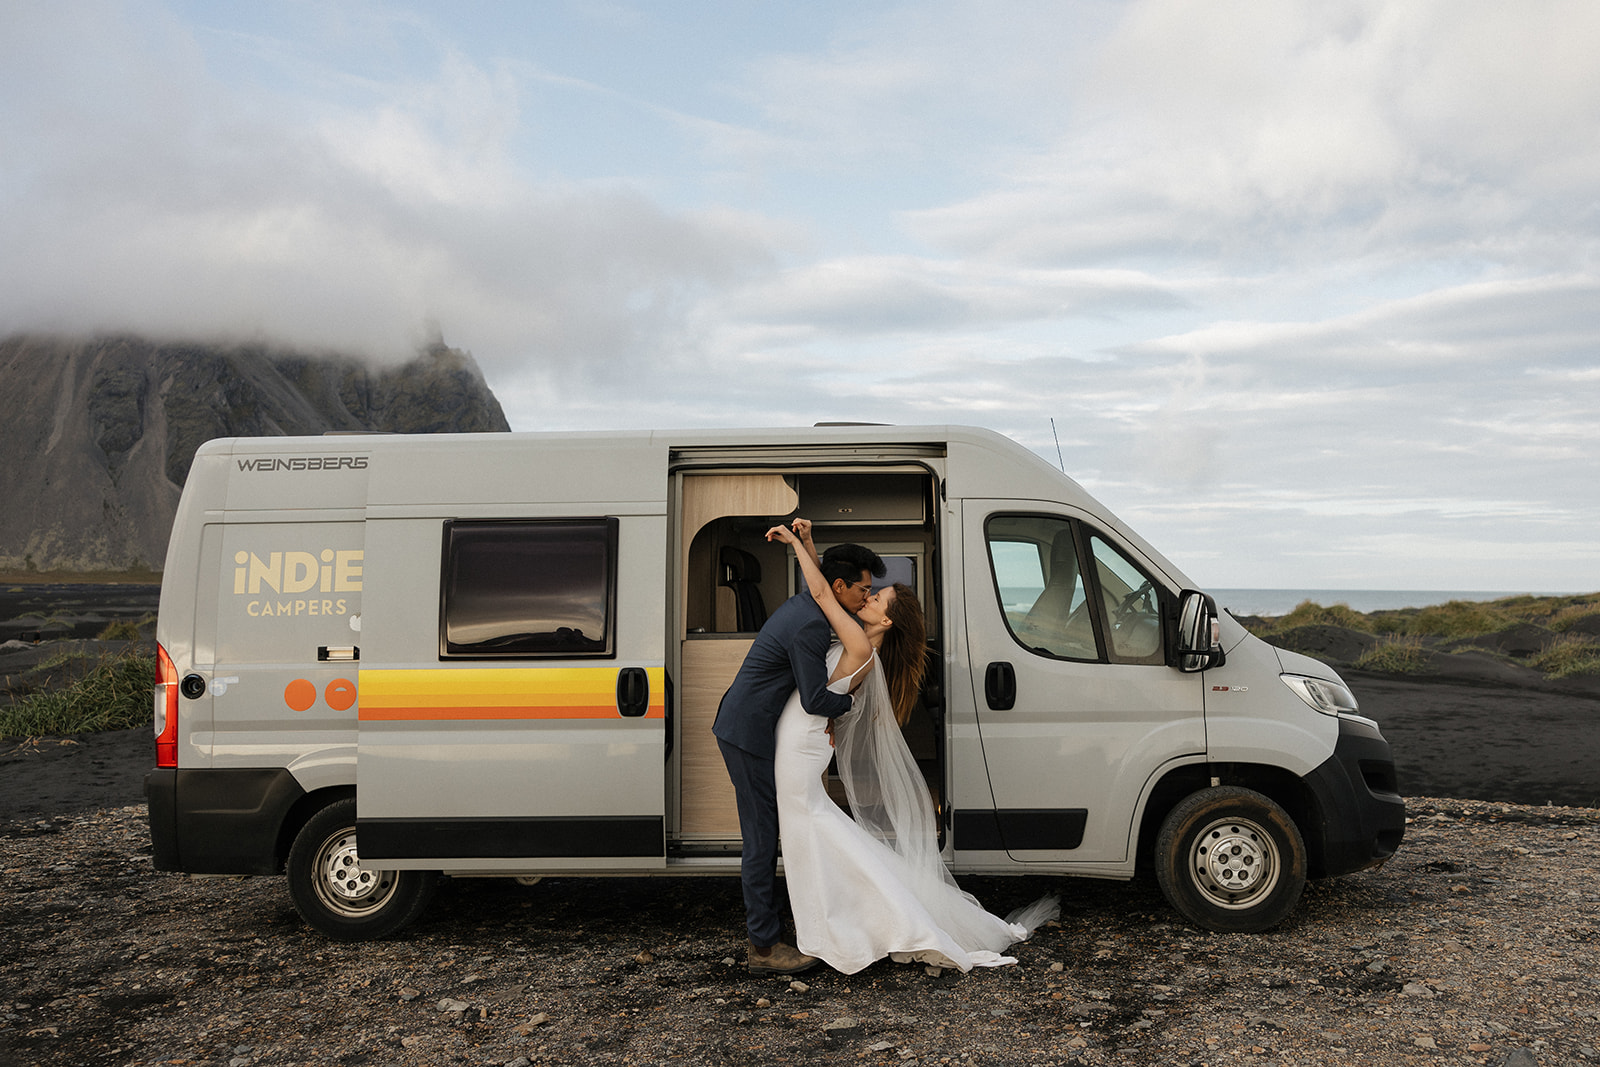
x=1058, y=621
x=741, y=573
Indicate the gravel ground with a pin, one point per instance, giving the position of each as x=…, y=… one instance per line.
x=1475, y=945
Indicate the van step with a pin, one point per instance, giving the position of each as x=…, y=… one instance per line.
x=719, y=861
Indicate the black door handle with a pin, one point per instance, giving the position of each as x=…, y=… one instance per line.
x=633, y=692
x=1000, y=686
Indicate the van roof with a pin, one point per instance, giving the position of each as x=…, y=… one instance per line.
x=977, y=462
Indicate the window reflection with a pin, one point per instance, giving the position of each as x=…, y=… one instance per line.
x=1040, y=584
x=1133, y=609
x=529, y=588
x=1045, y=591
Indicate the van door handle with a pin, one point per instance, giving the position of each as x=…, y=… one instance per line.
x=1000, y=686
x=633, y=692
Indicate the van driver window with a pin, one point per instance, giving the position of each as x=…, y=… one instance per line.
x=1132, y=606
x=1040, y=584
x=524, y=589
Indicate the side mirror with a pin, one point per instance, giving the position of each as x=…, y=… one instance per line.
x=1199, y=632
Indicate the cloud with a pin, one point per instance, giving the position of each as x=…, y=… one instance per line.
x=873, y=294
x=1286, y=281
x=179, y=206
x=1258, y=133
x=936, y=85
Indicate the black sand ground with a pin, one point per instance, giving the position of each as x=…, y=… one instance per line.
x=67, y=775
x=1478, y=742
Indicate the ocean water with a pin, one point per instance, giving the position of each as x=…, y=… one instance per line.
x=1283, y=601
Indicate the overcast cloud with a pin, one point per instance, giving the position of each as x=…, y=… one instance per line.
x=1310, y=290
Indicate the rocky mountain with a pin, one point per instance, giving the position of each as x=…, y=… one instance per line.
x=98, y=434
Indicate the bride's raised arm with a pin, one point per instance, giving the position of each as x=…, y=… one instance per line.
x=857, y=649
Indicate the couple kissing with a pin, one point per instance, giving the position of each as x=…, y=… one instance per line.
x=832, y=676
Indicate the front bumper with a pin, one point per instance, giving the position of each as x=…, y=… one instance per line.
x=1362, y=816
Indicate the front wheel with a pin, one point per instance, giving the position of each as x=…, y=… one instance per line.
x=334, y=893
x=1231, y=860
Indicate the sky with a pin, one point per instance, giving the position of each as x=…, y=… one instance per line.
x=1306, y=291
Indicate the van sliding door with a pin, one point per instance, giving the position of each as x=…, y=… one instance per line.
x=531, y=734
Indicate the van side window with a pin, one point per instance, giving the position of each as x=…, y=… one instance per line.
x=1041, y=587
x=529, y=588
x=1132, y=606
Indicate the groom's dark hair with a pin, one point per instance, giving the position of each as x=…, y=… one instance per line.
x=848, y=561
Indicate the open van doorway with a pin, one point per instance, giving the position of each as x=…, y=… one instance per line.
x=732, y=578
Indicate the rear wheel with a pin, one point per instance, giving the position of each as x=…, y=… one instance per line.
x=1231, y=860
x=334, y=893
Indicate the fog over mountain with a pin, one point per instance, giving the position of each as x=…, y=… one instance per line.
x=99, y=433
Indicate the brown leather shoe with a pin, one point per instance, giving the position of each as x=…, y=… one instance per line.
x=780, y=959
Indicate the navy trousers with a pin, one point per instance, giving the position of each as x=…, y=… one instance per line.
x=757, y=797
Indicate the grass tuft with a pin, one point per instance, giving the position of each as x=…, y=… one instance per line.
x=1461, y=618
x=1567, y=617
x=1395, y=654
x=111, y=693
x=123, y=629
x=1309, y=613
x=1567, y=655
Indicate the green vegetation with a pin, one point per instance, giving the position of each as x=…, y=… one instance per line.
x=1460, y=618
x=1568, y=654
x=1457, y=618
x=1395, y=654
x=123, y=629
x=1566, y=617
x=1409, y=633
x=31, y=575
x=1309, y=613
x=110, y=693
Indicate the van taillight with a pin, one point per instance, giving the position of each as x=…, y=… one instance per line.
x=166, y=721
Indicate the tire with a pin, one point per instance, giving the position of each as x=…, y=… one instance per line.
x=1231, y=860
x=334, y=894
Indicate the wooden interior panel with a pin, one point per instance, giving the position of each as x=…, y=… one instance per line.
x=707, y=497
x=709, y=666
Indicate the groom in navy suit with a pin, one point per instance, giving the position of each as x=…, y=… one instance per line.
x=789, y=654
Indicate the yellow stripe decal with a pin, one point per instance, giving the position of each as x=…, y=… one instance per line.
x=500, y=693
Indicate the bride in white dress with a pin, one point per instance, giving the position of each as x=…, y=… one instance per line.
x=874, y=885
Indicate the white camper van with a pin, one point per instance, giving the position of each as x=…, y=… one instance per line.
x=383, y=658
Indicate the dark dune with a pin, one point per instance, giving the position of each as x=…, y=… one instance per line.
x=1462, y=738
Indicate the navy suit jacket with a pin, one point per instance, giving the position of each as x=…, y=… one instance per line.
x=789, y=653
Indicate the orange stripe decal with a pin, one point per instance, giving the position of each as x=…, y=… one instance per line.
x=499, y=693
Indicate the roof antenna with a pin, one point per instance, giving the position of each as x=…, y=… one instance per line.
x=1057, y=436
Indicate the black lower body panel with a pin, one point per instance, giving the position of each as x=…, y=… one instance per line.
x=219, y=821
x=1020, y=830
x=1363, y=817
x=589, y=837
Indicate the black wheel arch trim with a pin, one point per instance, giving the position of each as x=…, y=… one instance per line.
x=220, y=820
x=1348, y=809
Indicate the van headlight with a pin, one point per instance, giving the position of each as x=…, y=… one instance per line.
x=1330, y=698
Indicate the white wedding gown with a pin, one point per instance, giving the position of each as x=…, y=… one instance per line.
x=875, y=886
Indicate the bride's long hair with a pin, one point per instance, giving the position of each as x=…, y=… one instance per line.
x=904, y=652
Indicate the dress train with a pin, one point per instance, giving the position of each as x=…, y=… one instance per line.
x=875, y=886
